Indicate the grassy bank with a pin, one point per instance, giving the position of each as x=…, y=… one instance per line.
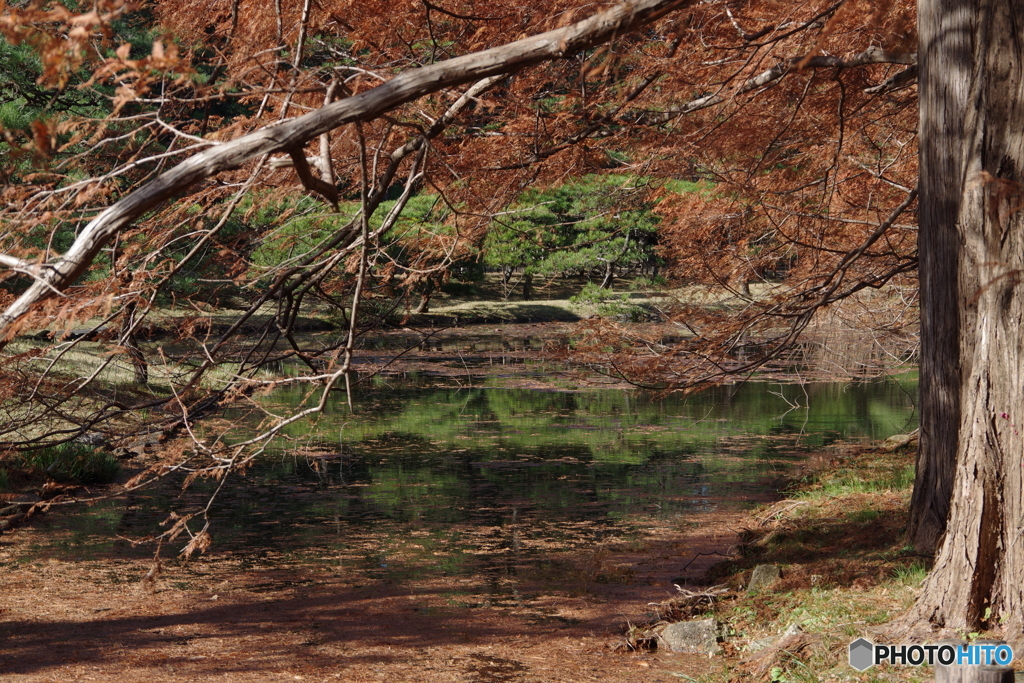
x=561, y=299
x=845, y=572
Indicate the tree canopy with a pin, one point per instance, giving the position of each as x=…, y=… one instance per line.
x=661, y=103
x=593, y=225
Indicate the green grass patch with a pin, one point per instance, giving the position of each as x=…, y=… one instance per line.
x=880, y=473
x=71, y=462
x=864, y=516
x=911, y=575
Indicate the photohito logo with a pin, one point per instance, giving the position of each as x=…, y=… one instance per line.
x=864, y=654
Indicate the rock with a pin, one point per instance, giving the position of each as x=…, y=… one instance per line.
x=794, y=629
x=149, y=439
x=763, y=577
x=87, y=333
x=758, y=644
x=94, y=439
x=699, y=636
x=898, y=441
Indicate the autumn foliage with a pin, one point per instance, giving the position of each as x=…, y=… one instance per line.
x=796, y=121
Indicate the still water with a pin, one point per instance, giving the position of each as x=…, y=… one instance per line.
x=430, y=476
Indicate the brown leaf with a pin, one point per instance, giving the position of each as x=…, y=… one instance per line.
x=149, y=580
x=200, y=542
x=41, y=136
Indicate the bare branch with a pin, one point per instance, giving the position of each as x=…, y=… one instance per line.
x=873, y=55
x=468, y=17
x=16, y=263
x=310, y=181
x=899, y=80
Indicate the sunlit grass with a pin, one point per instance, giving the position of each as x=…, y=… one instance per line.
x=94, y=360
x=70, y=462
x=912, y=575
x=843, y=482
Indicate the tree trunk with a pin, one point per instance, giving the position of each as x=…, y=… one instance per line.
x=944, y=67
x=527, y=286
x=609, y=274
x=130, y=343
x=972, y=65
x=968, y=673
x=424, y=304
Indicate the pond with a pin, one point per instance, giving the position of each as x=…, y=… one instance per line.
x=482, y=476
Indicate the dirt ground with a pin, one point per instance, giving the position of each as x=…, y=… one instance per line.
x=223, y=618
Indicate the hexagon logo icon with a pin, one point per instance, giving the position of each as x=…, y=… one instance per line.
x=862, y=654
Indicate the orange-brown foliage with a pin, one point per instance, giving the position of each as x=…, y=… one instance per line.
x=799, y=165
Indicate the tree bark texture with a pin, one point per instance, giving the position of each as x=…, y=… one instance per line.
x=292, y=135
x=973, y=67
x=945, y=62
x=974, y=674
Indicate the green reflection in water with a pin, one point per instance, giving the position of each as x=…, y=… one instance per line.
x=450, y=455
x=449, y=479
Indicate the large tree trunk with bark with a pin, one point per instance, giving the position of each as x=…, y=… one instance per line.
x=944, y=67
x=972, y=141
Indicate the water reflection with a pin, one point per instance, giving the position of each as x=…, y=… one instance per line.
x=425, y=478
